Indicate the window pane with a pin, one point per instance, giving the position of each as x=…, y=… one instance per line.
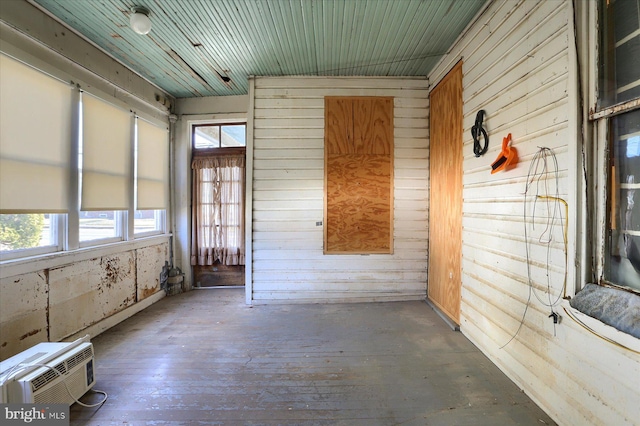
x=26, y=231
x=148, y=221
x=234, y=135
x=620, y=47
x=206, y=137
x=97, y=225
x=623, y=263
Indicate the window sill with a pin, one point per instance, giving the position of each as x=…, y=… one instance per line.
x=596, y=305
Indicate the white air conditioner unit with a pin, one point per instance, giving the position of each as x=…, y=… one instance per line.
x=48, y=373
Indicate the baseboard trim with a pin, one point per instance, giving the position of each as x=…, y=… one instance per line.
x=445, y=318
x=115, y=319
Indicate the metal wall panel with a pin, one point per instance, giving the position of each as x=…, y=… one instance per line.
x=517, y=68
x=288, y=181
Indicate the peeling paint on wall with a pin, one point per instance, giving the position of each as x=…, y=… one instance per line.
x=98, y=287
x=51, y=304
x=149, y=262
x=23, y=312
x=31, y=333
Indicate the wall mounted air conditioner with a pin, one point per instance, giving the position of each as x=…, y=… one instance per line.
x=48, y=373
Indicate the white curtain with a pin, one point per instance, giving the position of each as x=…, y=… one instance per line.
x=217, y=233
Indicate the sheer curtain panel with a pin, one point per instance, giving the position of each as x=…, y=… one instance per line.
x=218, y=210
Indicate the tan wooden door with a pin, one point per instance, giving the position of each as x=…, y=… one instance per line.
x=445, y=197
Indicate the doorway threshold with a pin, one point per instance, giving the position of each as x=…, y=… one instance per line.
x=214, y=287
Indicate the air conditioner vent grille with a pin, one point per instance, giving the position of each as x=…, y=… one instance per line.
x=63, y=368
x=43, y=379
x=79, y=358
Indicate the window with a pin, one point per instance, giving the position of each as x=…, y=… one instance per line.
x=151, y=178
x=34, y=159
x=148, y=222
x=622, y=264
x=66, y=151
x=619, y=86
x=30, y=234
x=100, y=226
x=219, y=136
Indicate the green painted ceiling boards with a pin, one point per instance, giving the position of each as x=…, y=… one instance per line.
x=195, y=45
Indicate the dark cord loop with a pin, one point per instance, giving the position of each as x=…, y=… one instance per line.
x=476, y=131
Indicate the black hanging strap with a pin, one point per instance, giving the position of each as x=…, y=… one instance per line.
x=476, y=131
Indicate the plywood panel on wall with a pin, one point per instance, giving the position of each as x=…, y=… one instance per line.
x=358, y=175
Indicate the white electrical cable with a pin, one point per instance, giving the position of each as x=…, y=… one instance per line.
x=540, y=159
x=538, y=174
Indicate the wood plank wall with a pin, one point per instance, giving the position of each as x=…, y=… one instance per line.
x=288, y=180
x=518, y=68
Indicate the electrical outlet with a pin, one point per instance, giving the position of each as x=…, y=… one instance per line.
x=319, y=223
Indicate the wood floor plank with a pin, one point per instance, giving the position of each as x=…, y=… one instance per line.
x=204, y=357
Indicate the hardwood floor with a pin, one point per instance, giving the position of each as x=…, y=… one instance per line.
x=204, y=357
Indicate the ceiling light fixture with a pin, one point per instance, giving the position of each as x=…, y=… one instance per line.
x=139, y=20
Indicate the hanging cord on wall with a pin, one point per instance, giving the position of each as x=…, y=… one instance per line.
x=538, y=176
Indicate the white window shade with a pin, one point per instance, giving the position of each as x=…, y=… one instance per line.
x=153, y=167
x=35, y=140
x=106, y=156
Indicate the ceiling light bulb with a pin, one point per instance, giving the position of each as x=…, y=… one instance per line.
x=140, y=21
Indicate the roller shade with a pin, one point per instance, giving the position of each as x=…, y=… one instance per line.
x=106, y=155
x=153, y=167
x=35, y=140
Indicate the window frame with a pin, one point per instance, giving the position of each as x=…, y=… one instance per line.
x=599, y=120
x=219, y=124
x=66, y=226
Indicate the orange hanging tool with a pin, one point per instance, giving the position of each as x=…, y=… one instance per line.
x=508, y=157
